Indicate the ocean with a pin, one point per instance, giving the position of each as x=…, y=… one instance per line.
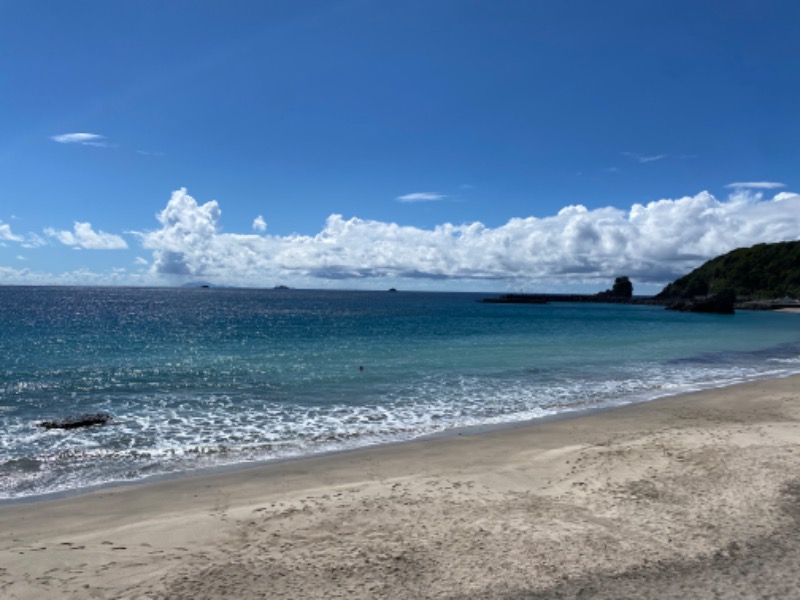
x=204, y=378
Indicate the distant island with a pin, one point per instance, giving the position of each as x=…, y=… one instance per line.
x=763, y=277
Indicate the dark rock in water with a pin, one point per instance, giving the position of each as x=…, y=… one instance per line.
x=721, y=304
x=86, y=420
x=621, y=293
x=622, y=290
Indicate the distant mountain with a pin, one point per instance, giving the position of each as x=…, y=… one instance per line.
x=763, y=272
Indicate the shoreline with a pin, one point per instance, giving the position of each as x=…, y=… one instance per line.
x=660, y=499
x=464, y=430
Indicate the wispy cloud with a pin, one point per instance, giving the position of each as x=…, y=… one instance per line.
x=83, y=236
x=7, y=235
x=422, y=197
x=83, y=139
x=644, y=159
x=755, y=185
x=34, y=240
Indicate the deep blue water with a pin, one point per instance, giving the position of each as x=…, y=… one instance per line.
x=204, y=377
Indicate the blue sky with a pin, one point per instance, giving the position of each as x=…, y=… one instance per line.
x=436, y=144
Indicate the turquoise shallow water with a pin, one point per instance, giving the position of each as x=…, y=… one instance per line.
x=199, y=378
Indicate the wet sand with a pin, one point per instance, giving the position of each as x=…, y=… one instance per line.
x=696, y=496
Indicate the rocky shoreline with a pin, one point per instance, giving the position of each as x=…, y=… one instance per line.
x=712, y=304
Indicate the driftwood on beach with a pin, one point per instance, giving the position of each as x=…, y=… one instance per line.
x=86, y=420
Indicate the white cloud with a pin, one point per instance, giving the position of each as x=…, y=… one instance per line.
x=33, y=240
x=25, y=276
x=188, y=242
x=259, y=224
x=7, y=235
x=422, y=197
x=785, y=196
x=83, y=236
x=644, y=159
x=654, y=242
x=84, y=139
x=755, y=185
x=30, y=240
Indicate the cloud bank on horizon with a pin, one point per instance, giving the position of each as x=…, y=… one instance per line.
x=652, y=243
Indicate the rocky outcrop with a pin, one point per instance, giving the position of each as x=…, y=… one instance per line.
x=622, y=290
x=620, y=293
x=721, y=304
x=75, y=422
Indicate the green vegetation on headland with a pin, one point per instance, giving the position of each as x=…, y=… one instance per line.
x=765, y=272
x=766, y=276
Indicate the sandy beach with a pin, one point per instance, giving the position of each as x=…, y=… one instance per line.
x=696, y=496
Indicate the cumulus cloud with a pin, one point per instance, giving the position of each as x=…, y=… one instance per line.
x=188, y=241
x=755, y=185
x=785, y=196
x=422, y=197
x=84, y=139
x=83, y=236
x=259, y=224
x=654, y=242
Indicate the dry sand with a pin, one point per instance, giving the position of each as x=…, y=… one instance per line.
x=690, y=497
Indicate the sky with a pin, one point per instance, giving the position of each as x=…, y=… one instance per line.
x=504, y=145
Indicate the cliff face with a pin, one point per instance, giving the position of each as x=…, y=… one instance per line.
x=763, y=272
